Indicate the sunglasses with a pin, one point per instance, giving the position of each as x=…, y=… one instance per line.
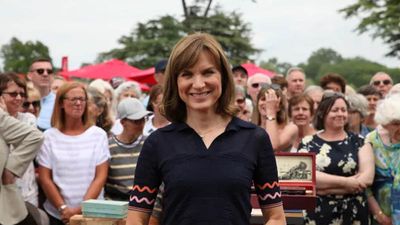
x=256, y=85
x=274, y=87
x=240, y=100
x=385, y=82
x=41, y=71
x=15, y=94
x=34, y=104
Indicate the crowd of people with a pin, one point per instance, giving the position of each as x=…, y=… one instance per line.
x=192, y=149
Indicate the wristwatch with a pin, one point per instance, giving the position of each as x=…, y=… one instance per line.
x=62, y=207
x=378, y=214
x=270, y=118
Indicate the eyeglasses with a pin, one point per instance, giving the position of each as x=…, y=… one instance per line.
x=240, y=100
x=256, y=85
x=15, y=94
x=271, y=86
x=76, y=99
x=41, y=71
x=34, y=104
x=378, y=82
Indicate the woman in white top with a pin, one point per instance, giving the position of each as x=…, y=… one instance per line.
x=73, y=160
x=13, y=91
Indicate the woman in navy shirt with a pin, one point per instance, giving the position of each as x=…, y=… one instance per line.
x=207, y=158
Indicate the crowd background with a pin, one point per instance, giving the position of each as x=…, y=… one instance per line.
x=94, y=131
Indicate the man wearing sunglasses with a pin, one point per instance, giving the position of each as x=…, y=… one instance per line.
x=254, y=84
x=41, y=75
x=383, y=82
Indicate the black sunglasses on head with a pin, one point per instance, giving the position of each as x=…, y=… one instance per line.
x=378, y=82
x=41, y=71
x=274, y=87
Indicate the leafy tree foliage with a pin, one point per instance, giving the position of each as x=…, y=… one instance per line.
x=18, y=56
x=154, y=39
x=318, y=58
x=274, y=65
x=381, y=17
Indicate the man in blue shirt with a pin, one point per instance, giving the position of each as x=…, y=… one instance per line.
x=41, y=74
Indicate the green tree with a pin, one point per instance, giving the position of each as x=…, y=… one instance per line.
x=319, y=58
x=381, y=17
x=153, y=40
x=273, y=64
x=18, y=56
x=357, y=71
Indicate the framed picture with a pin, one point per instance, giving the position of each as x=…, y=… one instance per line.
x=296, y=167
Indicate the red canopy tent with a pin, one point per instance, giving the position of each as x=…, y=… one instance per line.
x=144, y=76
x=253, y=69
x=105, y=71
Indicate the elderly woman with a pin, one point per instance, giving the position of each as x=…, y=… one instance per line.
x=73, y=160
x=315, y=92
x=384, y=198
x=345, y=166
x=207, y=158
x=301, y=112
x=128, y=89
x=240, y=102
x=357, y=112
x=373, y=96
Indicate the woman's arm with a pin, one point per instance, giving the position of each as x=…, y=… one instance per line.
x=376, y=211
x=98, y=182
x=137, y=218
x=274, y=216
x=287, y=136
x=366, y=165
x=49, y=187
x=327, y=181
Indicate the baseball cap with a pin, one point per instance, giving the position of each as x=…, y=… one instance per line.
x=161, y=65
x=131, y=108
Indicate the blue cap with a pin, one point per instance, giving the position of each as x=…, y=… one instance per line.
x=161, y=65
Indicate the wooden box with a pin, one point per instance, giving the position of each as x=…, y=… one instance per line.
x=296, y=173
x=80, y=220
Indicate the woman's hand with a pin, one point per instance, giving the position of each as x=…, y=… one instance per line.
x=7, y=177
x=272, y=103
x=67, y=213
x=353, y=185
x=382, y=219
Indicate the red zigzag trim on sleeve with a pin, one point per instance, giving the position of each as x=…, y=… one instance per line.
x=145, y=188
x=275, y=183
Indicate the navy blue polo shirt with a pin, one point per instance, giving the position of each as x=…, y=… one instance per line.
x=206, y=186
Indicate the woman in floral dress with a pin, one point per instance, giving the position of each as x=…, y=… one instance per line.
x=384, y=194
x=345, y=167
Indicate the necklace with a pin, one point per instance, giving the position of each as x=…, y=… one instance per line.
x=203, y=135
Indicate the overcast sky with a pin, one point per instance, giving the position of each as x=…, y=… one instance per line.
x=287, y=29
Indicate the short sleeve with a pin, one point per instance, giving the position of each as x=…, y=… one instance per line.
x=266, y=176
x=44, y=155
x=147, y=178
x=104, y=151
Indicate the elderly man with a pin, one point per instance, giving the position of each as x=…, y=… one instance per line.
x=41, y=74
x=240, y=75
x=296, y=79
x=254, y=84
x=25, y=141
x=383, y=82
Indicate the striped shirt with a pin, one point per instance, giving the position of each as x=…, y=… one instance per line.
x=73, y=161
x=122, y=167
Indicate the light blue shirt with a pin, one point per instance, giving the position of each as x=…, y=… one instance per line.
x=46, y=110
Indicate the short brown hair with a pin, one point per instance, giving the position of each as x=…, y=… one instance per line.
x=328, y=100
x=184, y=55
x=41, y=59
x=58, y=118
x=280, y=80
x=333, y=78
x=5, y=78
x=155, y=91
x=295, y=100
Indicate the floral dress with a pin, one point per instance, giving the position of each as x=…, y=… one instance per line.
x=386, y=186
x=337, y=158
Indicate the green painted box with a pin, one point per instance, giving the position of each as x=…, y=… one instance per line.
x=104, y=208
